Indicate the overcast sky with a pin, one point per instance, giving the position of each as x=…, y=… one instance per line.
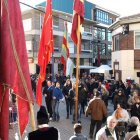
x=122, y=7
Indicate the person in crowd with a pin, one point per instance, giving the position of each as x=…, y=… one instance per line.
x=127, y=90
x=107, y=86
x=73, y=79
x=133, y=124
x=110, y=131
x=119, y=98
x=84, y=98
x=57, y=96
x=105, y=94
x=80, y=97
x=133, y=88
x=48, y=91
x=14, y=110
x=77, y=133
x=99, y=86
x=116, y=83
x=137, y=136
x=121, y=114
x=60, y=78
x=122, y=117
x=33, y=83
x=72, y=97
x=92, y=86
x=112, y=90
x=44, y=131
x=98, y=111
x=135, y=108
x=113, y=94
x=121, y=85
x=132, y=98
x=65, y=90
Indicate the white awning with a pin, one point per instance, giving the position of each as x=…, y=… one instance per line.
x=101, y=69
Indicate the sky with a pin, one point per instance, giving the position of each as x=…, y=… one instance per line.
x=122, y=7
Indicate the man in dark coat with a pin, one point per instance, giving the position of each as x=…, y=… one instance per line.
x=65, y=91
x=48, y=92
x=98, y=111
x=44, y=132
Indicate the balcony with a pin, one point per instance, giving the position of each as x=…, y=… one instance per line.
x=57, y=30
x=87, y=35
x=86, y=51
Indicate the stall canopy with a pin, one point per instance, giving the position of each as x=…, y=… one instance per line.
x=87, y=67
x=101, y=69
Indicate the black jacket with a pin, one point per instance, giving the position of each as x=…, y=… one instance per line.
x=46, y=133
x=135, y=111
x=49, y=93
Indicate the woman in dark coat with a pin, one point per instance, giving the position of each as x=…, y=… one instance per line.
x=135, y=109
x=120, y=98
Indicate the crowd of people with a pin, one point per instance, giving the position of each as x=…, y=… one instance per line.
x=93, y=99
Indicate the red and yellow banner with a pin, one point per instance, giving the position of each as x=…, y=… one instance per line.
x=65, y=48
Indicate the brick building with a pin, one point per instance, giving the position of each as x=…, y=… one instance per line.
x=126, y=47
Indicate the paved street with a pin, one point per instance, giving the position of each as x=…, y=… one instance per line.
x=65, y=126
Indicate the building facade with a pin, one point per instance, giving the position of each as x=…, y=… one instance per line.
x=94, y=33
x=126, y=47
x=101, y=34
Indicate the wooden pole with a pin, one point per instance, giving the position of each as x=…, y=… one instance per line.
x=32, y=117
x=77, y=68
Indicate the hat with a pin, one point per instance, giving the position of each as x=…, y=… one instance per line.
x=42, y=114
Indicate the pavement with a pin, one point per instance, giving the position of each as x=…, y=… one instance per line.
x=64, y=126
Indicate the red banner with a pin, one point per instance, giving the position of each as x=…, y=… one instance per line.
x=14, y=69
x=78, y=11
x=45, y=49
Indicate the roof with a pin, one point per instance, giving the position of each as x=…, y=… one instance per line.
x=101, y=69
x=125, y=20
x=86, y=67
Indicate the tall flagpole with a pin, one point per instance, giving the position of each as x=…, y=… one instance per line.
x=77, y=68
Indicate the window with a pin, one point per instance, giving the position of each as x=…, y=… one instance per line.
x=109, y=49
x=110, y=20
x=86, y=28
x=103, y=17
x=116, y=42
x=85, y=45
x=100, y=34
x=137, y=40
x=109, y=36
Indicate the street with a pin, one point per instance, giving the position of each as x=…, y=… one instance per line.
x=64, y=126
